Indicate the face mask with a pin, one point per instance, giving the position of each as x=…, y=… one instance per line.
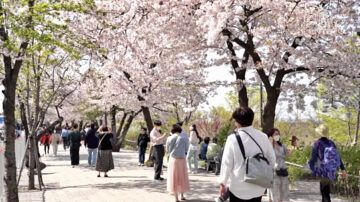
x=276, y=138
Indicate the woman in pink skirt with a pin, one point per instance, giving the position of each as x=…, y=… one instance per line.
x=178, y=179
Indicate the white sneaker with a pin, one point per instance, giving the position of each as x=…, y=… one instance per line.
x=139, y=164
x=218, y=200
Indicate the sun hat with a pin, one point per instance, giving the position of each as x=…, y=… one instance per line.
x=322, y=130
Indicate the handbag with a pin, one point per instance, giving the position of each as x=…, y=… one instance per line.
x=258, y=170
x=282, y=172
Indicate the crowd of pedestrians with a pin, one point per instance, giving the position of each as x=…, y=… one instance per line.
x=242, y=164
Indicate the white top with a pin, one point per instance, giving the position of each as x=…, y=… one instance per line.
x=55, y=138
x=194, y=141
x=156, y=138
x=233, y=167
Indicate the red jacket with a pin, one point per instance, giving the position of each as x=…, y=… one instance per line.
x=45, y=139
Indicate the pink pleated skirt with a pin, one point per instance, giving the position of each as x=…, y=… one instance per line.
x=178, y=179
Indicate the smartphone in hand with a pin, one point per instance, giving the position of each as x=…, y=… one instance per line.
x=293, y=141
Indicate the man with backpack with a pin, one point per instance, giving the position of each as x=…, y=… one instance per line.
x=242, y=147
x=325, y=162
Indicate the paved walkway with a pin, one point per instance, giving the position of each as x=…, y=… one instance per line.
x=126, y=183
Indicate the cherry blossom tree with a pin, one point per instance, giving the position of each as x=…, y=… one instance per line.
x=22, y=24
x=278, y=40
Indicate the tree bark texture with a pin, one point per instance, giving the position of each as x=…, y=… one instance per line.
x=356, y=135
x=9, y=82
x=117, y=145
x=124, y=132
x=105, y=119
x=147, y=117
x=113, y=119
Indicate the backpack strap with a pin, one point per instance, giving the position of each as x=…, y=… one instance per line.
x=254, y=141
x=238, y=138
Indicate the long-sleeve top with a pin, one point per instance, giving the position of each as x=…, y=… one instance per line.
x=281, y=152
x=233, y=163
x=143, y=139
x=74, y=139
x=105, y=143
x=64, y=133
x=55, y=139
x=184, y=134
x=194, y=141
x=45, y=139
x=91, y=141
x=316, y=151
x=156, y=138
x=177, y=145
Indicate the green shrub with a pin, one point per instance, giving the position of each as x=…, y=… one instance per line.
x=224, y=132
x=300, y=156
x=351, y=160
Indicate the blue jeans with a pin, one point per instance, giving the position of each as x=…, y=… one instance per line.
x=142, y=151
x=192, y=153
x=92, y=156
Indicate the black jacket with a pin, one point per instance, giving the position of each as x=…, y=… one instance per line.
x=105, y=144
x=143, y=139
x=91, y=141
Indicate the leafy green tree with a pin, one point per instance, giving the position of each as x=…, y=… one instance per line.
x=25, y=27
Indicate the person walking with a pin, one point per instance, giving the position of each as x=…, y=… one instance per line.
x=75, y=143
x=54, y=141
x=64, y=136
x=233, y=162
x=45, y=140
x=92, y=143
x=104, y=161
x=280, y=190
x=178, y=179
x=193, y=149
x=157, y=141
x=142, y=142
x=325, y=162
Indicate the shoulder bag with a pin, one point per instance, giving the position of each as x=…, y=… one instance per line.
x=258, y=170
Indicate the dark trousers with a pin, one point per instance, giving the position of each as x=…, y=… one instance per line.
x=233, y=198
x=65, y=142
x=142, y=151
x=158, y=155
x=325, y=190
x=48, y=148
x=74, y=155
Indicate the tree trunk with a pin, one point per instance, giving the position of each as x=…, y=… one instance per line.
x=81, y=125
x=147, y=117
x=349, y=131
x=9, y=82
x=113, y=119
x=32, y=151
x=356, y=136
x=239, y=71
x=269, y=110
x=101, y=122
x=105, y=119
x=124, y=132
x=117, y=144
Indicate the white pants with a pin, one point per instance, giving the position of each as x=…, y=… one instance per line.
x=55, y=148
